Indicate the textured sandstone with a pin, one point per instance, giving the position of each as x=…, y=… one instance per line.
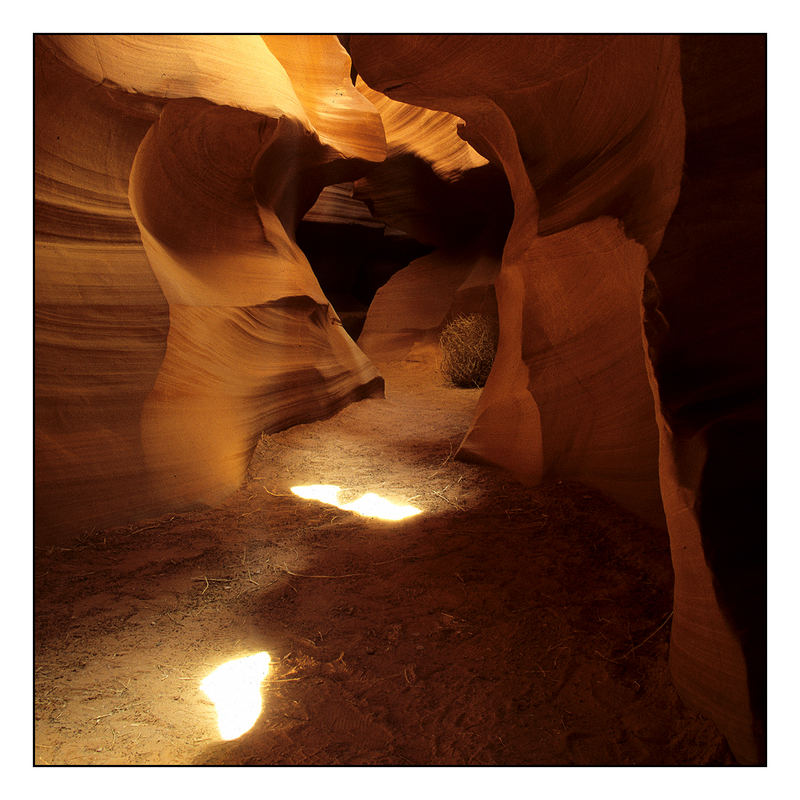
x=590, y=131
x=568, y=292
x=176, y=316
x=439, y=189
x=336, y=205
x=431, y=136
x=586, y=114
x=429, y=291
x=708, y=343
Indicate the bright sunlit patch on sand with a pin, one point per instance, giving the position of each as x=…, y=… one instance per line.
x=373, y=505
x=235, y=690
x=325, y=493
x=368, y=505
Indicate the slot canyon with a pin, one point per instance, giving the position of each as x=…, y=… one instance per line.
x=247, y=249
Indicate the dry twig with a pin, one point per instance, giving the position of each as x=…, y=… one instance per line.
x=215, y=580
x=447, y=458
x=347, y=575
x=446, y=499
x=274, y=494
x=637, y=646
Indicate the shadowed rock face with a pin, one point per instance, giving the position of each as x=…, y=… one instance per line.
x=707, y=335
x=176, y=318
x=590, y=381
x=602, y=119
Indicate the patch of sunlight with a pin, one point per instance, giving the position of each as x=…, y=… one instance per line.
x=325, y=493
x=368, y=505
x=235, y=690
x=373, y=505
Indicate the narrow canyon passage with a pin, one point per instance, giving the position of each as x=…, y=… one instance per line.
x=502, y=625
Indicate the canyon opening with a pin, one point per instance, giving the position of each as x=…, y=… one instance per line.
x=264, y=460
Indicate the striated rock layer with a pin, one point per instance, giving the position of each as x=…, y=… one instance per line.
x=440, y=190
x=590, y=134
x=176, y=318
x=586, y=114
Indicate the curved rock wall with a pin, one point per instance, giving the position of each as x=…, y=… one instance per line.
x=707, y=335
x=176, y=318
x=101, y=320
x=439, y=189
x=600, y=117
x=588, y=383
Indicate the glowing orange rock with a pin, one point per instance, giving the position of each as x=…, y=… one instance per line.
x=176, y=318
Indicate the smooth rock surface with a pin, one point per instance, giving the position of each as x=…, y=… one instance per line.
x=592, y=127
x=603, y=195
x=176, y=318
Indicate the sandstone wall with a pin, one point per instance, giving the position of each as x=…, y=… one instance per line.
x=176, y=318
x=646, y=382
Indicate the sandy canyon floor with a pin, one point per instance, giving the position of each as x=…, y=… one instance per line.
x=504, y=625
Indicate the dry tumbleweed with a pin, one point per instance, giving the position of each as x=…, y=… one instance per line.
x=469, y=343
